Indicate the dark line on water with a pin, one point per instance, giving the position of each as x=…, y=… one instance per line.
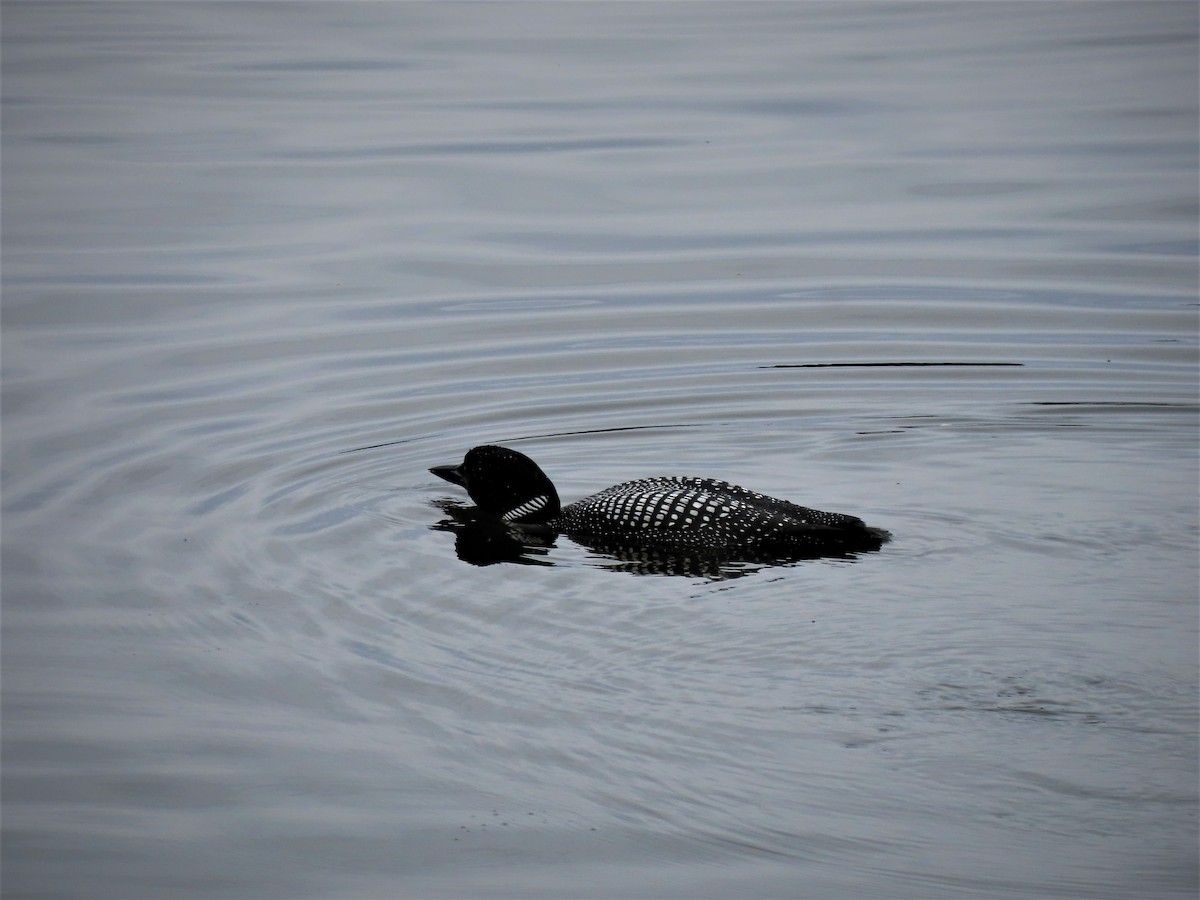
x=532, y=437
x=1119, y=403
x=377, y=446
x=876, y=365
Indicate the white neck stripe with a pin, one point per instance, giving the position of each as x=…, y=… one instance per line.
x=530, y=506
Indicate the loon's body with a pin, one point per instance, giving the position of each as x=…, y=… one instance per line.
x=667, y=511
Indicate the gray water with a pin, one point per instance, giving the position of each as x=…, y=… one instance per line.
x=264, y=264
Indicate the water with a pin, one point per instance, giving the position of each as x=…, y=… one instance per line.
x=264, y=264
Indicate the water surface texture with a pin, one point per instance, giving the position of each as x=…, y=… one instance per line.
x=931, y=265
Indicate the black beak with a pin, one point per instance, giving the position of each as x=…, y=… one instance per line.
x=452, y=474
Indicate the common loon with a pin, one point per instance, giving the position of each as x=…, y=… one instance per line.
x=681, y=513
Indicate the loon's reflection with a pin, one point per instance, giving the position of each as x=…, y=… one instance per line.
x=482, y=540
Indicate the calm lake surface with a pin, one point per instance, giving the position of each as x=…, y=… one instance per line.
x=264, y=264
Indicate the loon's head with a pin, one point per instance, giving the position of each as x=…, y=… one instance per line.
x=506, y=484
